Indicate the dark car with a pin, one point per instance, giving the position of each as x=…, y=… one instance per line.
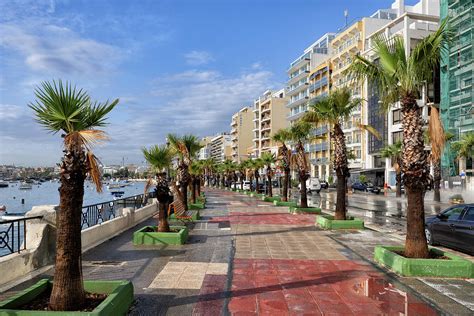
x=324, y=184
x=453, y=228
x=369, y=187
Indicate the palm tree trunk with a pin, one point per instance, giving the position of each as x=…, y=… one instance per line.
x=193, y=189
x=68, y=288
x=241, y=182
x=270, y=189
x=184, y=192
x=342, y=171
x=304, y=197
x=256, y=184
x=415, y=173
x=199, y=184
x=398, y=178
x=284, y=195
x=340, y=213
x=437, y=180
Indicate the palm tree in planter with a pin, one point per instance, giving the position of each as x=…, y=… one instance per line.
x=284, y=158
x=62, y=108
x=464, y=148
x=195, y=170
x=241, y=167
x=250, y=171
x=268, y=159
x=400, y=75
x=394, y=152
x=300, y=134
x=186, y=148
x=160, y=157
x=257, y=164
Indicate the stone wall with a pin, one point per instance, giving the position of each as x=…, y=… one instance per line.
x=41, y=241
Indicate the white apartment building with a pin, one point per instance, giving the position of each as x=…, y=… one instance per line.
x=413, y=23
x=220, y=147
x=269, y=115
x=205, y=151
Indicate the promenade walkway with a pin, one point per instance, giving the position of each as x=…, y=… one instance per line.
x=248, y=257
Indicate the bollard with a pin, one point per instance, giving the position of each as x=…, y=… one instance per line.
x=22, y=201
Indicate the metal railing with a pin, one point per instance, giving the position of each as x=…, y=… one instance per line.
x=95, y=214
x=13, y=235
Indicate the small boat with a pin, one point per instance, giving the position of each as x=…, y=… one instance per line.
x=117, y=193
x=3, y=208
x=113, y=186
x=25, y=186
x=3, y=184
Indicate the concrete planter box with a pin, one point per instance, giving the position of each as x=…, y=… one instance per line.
x=118, y=301
x=195, y=217
x=270, y=199
x=328, y=222
x=258, y=195
x=456, y=267
x=196, y=206
x=282, y=203
x=304, y=210
x=143, y=237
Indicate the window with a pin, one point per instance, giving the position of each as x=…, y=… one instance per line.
x=469, y=216
x=397, y=137
x=397, y=116
x=452, y=214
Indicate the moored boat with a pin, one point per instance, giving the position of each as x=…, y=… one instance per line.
x=25, y=186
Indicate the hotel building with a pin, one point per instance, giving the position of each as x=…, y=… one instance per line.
x=269, y=115
x=221, y=148
x=240, y=134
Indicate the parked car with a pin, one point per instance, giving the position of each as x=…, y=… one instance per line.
x=453, y=228
x=312, y=184
x=324, y=184
x=369, y=187
x=246, y=185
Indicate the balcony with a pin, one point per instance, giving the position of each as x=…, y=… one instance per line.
x=297, y=89
x=320, y=131
x=298, y=77
x=267, y=127
x=300, y=101
x=266, y=118
x=318, y=147
x=234, y=123
x=298, y=63
x=318, y=84
x=265, y=110
x=320, y=161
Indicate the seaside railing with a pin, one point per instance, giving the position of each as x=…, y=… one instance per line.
x=98, y=213
x=13, y=235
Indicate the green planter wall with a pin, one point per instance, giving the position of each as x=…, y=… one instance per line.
x=141, y=237
x=328, y=222
x=282, y=203
x=270, y=199
x=117, y=302
x=196, y=206
x=457, y=267
x=304, y=210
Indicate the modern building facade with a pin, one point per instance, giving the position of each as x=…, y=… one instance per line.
x=221, y=148
x=240, y=133
x=457, y=70
x=205, y=151
x=269, y=115
x=413, y=23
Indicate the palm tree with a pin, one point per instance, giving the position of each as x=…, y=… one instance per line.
x=400, y=75
x=464, y=147
x=284, y=157
x=394, y=152
x=241, y=167
x=256, y=165
x=332, y=110
x=300, y=134
x=195, y=170
x=62, y=108
x=268, y=159
x=160, y=157
x=186, y=148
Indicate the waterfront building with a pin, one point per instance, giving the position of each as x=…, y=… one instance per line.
x=221, y=148
x=205, y=151
x=269, y=115
x=319, y=149
x=241, y=135
x=413, y=23
x=457, y=70
x=352, y=40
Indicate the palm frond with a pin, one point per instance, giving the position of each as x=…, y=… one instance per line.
x=94, y=171
x=369, y=129
x=436, y=134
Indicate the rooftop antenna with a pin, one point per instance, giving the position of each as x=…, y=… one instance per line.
x=346, y=14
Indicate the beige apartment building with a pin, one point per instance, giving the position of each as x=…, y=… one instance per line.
x=348, y=42
x=269, y=115
x=220, y=148
x=240, y=134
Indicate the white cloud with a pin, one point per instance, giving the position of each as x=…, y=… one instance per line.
x=58, y=50
x=196, y=58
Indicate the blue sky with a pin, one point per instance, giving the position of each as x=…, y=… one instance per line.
x=177, y=66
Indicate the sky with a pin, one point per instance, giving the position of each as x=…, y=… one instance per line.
x=177, y=66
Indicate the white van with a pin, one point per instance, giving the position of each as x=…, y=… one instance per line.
x=246, y=185
x=312, y=184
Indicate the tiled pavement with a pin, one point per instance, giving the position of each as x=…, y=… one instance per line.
x=247, y=257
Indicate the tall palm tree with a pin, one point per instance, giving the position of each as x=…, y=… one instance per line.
x=332, y=110
x=400, y=75
x=62, y=108
x=160, y=157
x=268, y=159
x=257, y=164
x=394, y=152
x=284, y=158
x=186, y=148
x=241, y=167
x=195, y=170
x=300, y=134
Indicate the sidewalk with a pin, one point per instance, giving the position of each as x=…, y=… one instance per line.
x=248, y=257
